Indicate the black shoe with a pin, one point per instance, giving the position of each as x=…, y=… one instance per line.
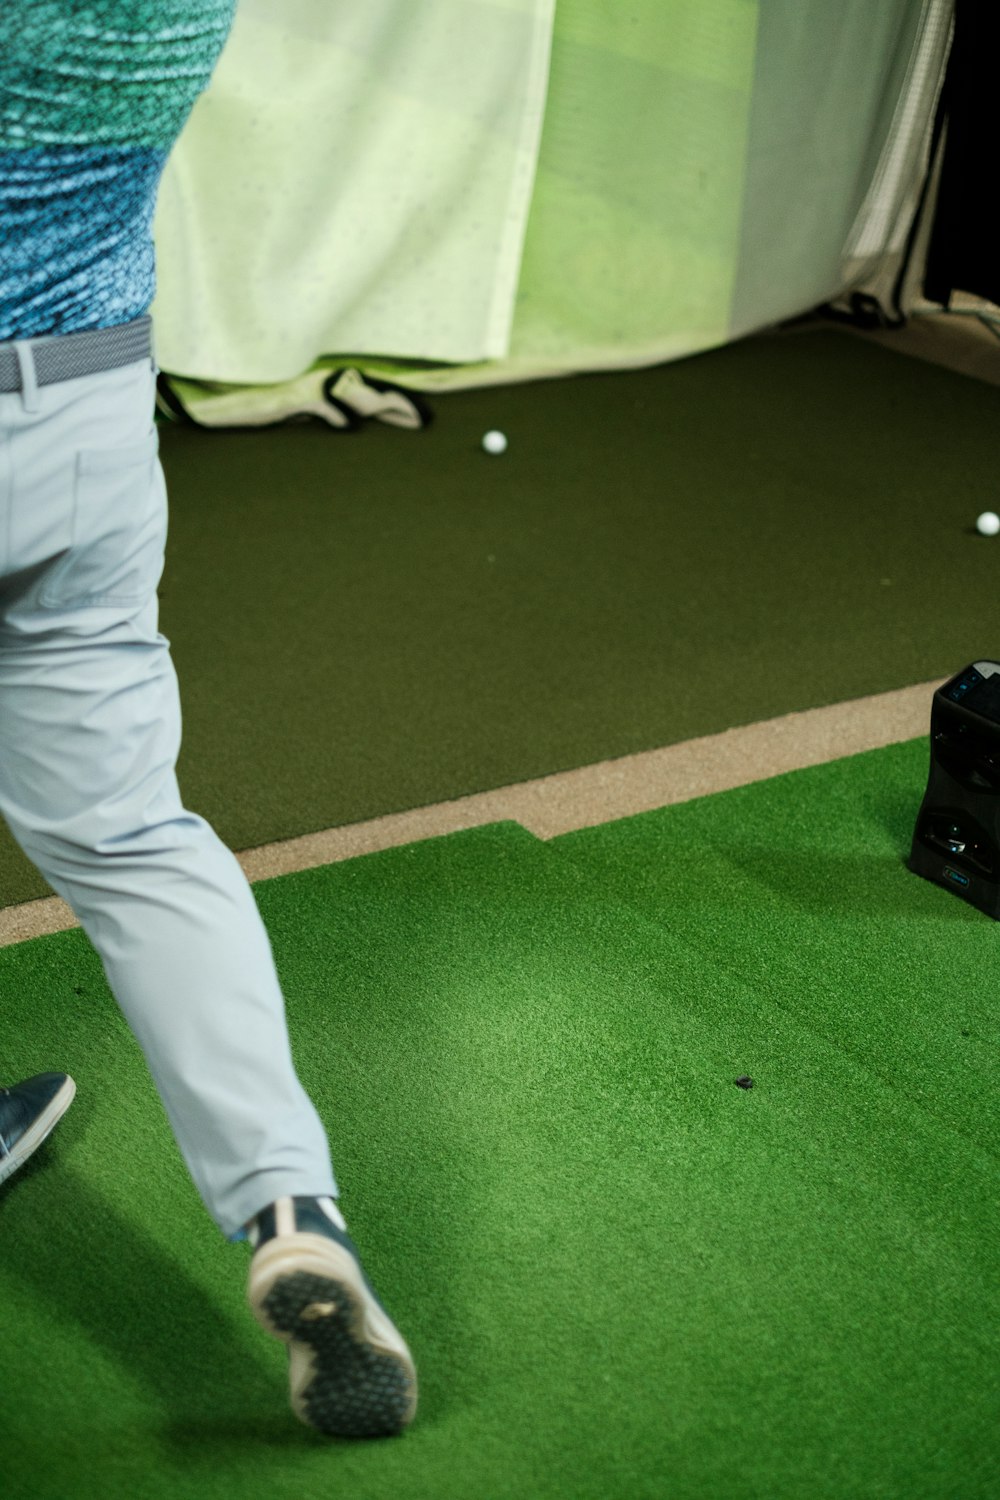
x=350, y=1372
x=28, y=1112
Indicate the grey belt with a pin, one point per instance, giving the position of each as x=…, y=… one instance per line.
x=63, y=356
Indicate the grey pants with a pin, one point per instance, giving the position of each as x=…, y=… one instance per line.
x=90, y=730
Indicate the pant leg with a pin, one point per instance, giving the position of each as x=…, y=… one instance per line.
x=90, y=730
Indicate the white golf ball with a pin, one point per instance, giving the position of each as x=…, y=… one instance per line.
x=495, y=442
x=988, y=524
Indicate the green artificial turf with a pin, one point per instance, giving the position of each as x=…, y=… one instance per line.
x=796, y=888
x=372, y=622
x=620, y=1273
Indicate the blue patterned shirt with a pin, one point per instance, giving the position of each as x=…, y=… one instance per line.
x=93, y=94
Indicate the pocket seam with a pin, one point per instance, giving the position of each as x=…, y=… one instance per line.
x=97, y=461
x=110, y=460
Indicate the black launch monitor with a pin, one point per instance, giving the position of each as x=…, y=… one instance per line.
x=956, y=841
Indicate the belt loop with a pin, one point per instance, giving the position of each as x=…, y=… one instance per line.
x=29, y=380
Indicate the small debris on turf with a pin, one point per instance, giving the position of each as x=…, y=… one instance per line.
x=744, y=1082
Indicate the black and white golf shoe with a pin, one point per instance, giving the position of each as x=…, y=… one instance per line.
x=350, y=1371
x=28, y=1111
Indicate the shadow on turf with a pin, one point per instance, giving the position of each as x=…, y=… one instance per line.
x=874, y=886
x=90, y=1266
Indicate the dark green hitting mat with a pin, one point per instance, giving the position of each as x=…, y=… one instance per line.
x=368, y=623
x=621, y=1273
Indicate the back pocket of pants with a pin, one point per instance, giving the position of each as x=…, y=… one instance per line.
x=119, y=530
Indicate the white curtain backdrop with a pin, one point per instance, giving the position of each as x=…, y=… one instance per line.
x=358, y=177
x=467, y=192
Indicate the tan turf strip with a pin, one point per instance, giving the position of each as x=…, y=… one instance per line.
x=583, y=798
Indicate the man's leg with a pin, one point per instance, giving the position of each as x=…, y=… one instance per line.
x=90, y=730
